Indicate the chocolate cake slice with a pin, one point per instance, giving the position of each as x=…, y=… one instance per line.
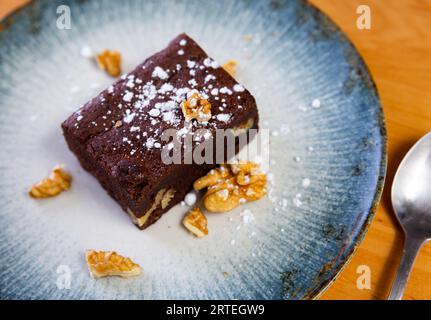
x=118, y=135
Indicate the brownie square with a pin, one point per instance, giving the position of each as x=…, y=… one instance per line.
x=117, y=136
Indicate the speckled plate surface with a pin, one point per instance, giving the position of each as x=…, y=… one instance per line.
x=328, y=162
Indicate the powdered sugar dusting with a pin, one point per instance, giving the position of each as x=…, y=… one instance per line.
x=150, y=98
x=160, y=73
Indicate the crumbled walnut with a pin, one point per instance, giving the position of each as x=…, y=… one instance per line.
x=231, y=185
x=196, y=107
x=248, y=37
x=58, y=181
x=110, y=61
x=196, y=222
x=230, y=67
x=118, y=124
x=103, y=264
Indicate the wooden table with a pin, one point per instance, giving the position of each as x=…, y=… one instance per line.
x=398, y=51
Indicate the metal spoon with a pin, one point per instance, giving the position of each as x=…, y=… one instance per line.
x=411, y=199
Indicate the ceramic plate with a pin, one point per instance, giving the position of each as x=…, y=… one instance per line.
x=327, y=160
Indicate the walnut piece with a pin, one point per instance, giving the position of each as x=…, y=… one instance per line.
x=110, y=61
x=167, y=197
x=196, y=222
x=196, y=107
x=231, y=185
x=248, y=37
x=162, y=199
x=230, y=67
x=58, y=181
x=107, y=263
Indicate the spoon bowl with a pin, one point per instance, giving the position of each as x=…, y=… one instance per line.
x=411, y=189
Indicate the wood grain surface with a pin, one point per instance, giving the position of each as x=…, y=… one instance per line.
x=397, y=50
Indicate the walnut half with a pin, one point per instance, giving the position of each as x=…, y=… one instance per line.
x=196, y=222
x=109, y=263
x=58, y=181
x=231, y=185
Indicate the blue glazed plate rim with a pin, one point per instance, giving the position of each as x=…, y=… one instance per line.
x=332, y=270
x=337, y=267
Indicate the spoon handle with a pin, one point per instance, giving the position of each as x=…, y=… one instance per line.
x=410, y=251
